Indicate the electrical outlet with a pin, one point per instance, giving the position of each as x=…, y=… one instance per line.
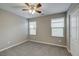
x=9, y=42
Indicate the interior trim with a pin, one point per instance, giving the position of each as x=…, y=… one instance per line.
x=50, y=43
x=36, y=42
x=13, y=45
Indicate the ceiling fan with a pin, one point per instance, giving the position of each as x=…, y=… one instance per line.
x=32, y=8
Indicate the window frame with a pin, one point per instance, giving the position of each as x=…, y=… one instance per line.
x=32, y=28
x=58, y=27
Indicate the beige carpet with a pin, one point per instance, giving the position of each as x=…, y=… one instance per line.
x=35, y=49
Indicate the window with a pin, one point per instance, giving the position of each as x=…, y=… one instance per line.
x=57, y=27
x=32, y=28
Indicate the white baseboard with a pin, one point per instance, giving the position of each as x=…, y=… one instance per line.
x=68, y=50
x=49, y=43
x=33, y=41
x=13, y=45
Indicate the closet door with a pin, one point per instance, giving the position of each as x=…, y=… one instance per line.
x=77, y=49
x=74, y=33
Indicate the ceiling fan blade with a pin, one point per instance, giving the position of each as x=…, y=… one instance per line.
x=38, y=5
x=38, y=11
x=27, y=4
x=24, y=9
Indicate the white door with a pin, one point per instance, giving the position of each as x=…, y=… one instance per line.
x=74, y=31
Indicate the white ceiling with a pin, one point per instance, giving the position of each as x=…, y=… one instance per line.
x=47, y=9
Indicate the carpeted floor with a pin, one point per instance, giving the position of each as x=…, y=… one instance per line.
x=35, y=49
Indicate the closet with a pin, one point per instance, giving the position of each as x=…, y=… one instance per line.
x=74, y=32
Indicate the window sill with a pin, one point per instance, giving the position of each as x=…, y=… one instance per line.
x=57, y=37
x=32, y=35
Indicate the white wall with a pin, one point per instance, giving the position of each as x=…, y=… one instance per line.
x=44, y=30
x=13, y=29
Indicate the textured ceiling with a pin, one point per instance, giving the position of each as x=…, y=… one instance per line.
x=47, y=9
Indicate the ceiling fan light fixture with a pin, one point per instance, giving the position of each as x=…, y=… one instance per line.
x=32, y=11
